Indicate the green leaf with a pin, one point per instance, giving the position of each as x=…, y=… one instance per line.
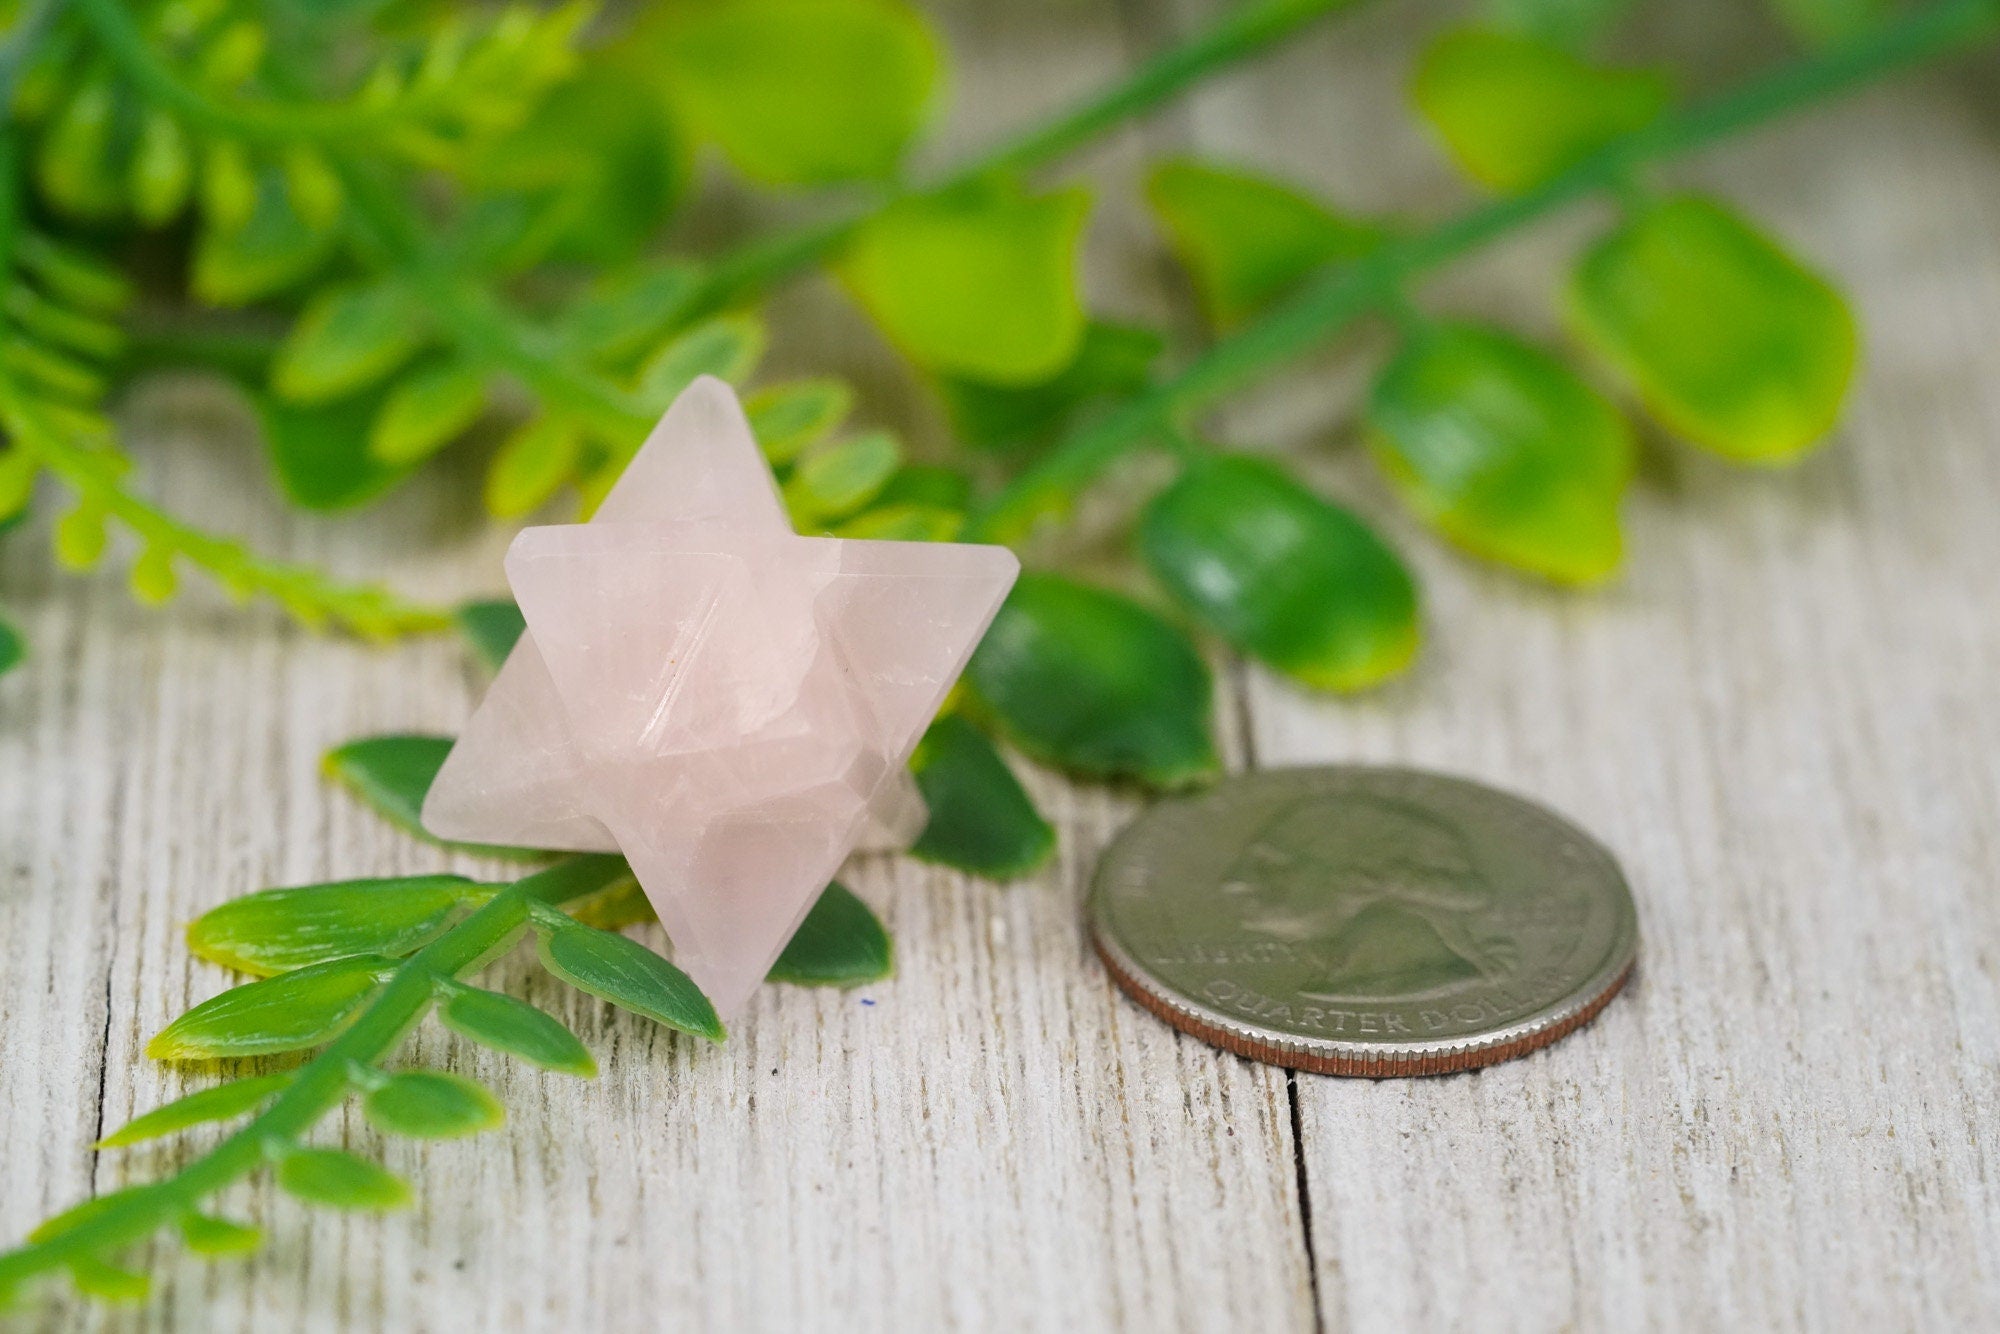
x=320, y=451
x=1094, y=682
x=278, y=930
x=903, y=523
x=76, y=275
x=108, y=1283
x=1824, y=22
x=835, y=479
x=18, y=471
x=340, y=1180
x=153, y=579
x=1112, y=361
x=208, y=1235
x=81, y=536
x=346, y=339
x=425, y=411
x=624, y=313
x=287, y=1013
x=1282, y=574
x=517, y=1028
x=615, y=968
x=981, y=819
x=800, y=92
x=80, y=1216
x=600, y=154
x=532, y=465
x=12, y=650
x=429, y=1104
x=788, y=417
x=1505, y=451
x=1514, y=111
x=74, y=167
x=392, y=773
x=1727, y=338
x=225, y=1102
x=492, y=628
x=927, y=484
x=978, y=283
x=162, y=170
x=727, y=347
x=841, y=943
x=271, y=249
x=1246, y=240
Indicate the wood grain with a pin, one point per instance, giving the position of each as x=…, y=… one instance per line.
x=1786, y=720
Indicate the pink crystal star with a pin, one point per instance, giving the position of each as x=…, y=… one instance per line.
x=729, y=704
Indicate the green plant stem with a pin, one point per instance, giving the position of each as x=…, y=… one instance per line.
x=1344, y=295
x=1243, y=32
x=487, y=330
x=305, y=592
x=267, y=121
x=405, y=998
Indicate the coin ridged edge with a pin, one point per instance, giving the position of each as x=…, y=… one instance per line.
x=1371, y=1060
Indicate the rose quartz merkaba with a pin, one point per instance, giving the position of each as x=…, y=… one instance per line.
x=728, y=703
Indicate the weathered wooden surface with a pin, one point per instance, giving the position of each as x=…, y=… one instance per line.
x=1786, y=720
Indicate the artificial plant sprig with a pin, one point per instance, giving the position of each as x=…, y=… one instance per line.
x=1377, y=282
x=355, y=966
x=377, y=1000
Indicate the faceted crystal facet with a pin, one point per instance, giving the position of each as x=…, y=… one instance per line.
x=729, y=704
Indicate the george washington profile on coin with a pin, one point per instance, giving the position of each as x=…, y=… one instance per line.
x=1359, y=920
x=1387, y=895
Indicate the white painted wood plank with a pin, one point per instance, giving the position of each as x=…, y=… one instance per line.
x=1786, y=720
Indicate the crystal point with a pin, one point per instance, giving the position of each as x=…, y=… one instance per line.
x=726, y=702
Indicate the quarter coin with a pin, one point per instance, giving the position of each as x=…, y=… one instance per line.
x=1354, y=920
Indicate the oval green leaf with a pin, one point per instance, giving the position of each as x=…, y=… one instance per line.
x=727, y=347
x=1095, y=683
x=980, y=283
x=503, y=1023
x=981, y=818
x=425, y=412
x=626, y=312
x=835, y=479
x=11, y=648
x=492, y=629
x=1245, y=240
x=786, y=418
x=1282, y=574
x=904, y=523
x=531, y=465
x=107, y=1282
x=346, y=339
x=800, y=92
x=287, y=1013
x=1505, y=451
x=392, y=773
x=320, y=451
x=271, y=250
x=1514, y=111
x=341, y=1181
x=621, y=970
x=221, y=1103
x=278, y=930
x=208, y=1235
x=841, y=943
x=1727, y=339
x=430, y=1104
x=1112, y=361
